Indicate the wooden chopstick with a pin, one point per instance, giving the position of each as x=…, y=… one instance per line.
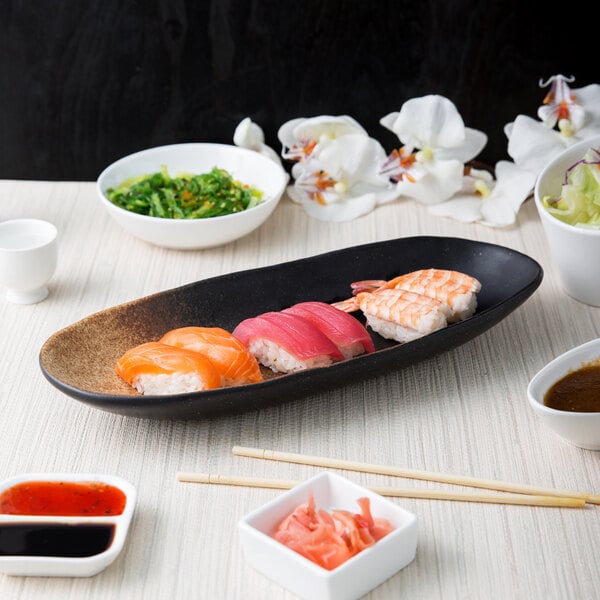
x=493, y=498
x=336, y=463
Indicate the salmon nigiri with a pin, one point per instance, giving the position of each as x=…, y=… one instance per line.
x=286, y=343
x=232, y=358
x=400, y=315
x=156, y=369
x=348, y=334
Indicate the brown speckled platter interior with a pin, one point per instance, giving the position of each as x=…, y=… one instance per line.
x=79, y=360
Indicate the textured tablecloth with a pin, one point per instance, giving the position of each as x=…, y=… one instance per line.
x=463, y=412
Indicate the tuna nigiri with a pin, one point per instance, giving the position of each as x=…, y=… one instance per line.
x=286, y=343
x=155, y=368
x=455, y=289
x=227, y=353
x=400, y=315
x=348, y=334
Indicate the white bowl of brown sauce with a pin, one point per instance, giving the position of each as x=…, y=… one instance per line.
x=565, y=394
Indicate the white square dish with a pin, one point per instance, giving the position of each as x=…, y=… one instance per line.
x=85, y=545
x=352, y=579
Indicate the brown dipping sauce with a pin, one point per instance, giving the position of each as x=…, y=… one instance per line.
x=577, y=391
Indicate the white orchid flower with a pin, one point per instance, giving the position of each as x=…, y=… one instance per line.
x=301, y=137
x=567, y=117
x=490, y=201
x=433, y=125
x=249, y=135
x=342, y=181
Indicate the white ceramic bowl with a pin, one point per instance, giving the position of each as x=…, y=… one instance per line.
x=64, y=566
x=579, y=428
x=571, y=248
x=352, y=579
x=244, y=165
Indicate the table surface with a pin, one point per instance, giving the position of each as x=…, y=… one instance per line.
x=464, y=412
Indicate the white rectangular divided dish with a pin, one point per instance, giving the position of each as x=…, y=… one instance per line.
x=37, y=528
x=352, y=579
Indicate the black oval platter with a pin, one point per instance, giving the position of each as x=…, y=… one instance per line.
x=79, y=359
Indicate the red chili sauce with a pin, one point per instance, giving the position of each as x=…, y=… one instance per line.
x=62, y=498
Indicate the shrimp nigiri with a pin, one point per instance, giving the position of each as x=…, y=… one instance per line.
x=156, y=369
x=455, y=289
x=400, y=315
x=232, y=358
x=286, y=343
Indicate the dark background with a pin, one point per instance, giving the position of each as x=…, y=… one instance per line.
x=84, y=83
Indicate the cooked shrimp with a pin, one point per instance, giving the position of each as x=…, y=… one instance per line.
x=401, y=315
x=455, y=289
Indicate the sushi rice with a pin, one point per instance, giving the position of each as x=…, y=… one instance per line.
x=272, y=355
x=166, y=384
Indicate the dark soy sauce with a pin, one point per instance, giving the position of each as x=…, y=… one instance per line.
x=577, y=391
x=76, y=540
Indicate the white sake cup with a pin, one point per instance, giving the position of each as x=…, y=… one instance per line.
x=28, y=257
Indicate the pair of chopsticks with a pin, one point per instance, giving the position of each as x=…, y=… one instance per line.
x=519, y=494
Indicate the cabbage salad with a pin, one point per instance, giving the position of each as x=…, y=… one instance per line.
x=579, y=200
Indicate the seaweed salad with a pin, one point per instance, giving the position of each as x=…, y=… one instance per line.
x=185, y=196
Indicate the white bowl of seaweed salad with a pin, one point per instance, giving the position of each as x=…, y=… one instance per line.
x=193, y=195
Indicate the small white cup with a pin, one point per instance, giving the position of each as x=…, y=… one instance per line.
x=28, y=258
x=575, y=250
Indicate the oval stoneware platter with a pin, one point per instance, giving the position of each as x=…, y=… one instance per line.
x=80, y=359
